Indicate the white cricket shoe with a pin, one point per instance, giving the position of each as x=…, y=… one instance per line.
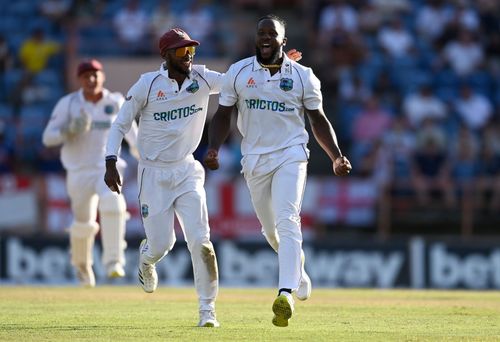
x=147, y=273
x=208, y=319
x=283, y=309
x=305, y=286
x=85, y=275
x=115, y=270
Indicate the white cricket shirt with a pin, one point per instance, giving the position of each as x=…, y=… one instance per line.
x=86, y=150
x=171, y=118
x=271, y=108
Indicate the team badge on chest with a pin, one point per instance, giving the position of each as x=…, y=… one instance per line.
x=286, y=84
x=193, y=87
x=144, y=210
x=109, y=109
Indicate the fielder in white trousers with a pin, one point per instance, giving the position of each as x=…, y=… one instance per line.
x=177, y=188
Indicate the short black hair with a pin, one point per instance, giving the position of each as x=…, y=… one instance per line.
x=273, y=17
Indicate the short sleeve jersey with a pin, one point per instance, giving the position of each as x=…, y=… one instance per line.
x=86, y=150
x=171, y=118
x=271, y=108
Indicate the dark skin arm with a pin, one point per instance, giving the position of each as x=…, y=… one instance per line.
x=112, y=177
x=326, y=137
x=217, y=134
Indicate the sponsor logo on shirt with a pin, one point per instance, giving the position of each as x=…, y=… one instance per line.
x=273, y=106
x=101, y=125
x=176, y=114
x=160, y=96
x=128, y=98
x=251, y=83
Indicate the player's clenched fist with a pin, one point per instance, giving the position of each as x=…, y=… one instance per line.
x=112, y=177
x=212, y=159
x=342, y=166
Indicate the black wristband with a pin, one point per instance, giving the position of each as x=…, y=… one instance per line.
x=112, y=157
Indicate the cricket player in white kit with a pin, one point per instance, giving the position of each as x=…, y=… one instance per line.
x=80, y=122
x=172, y=105
x=272, y=92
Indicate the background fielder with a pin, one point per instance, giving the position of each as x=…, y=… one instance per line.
x=80, y=122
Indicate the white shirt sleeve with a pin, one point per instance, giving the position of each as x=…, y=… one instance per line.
x=215, y=80
x=228, y=96
x=313, y=99
x=59, y=119
x=125, y=120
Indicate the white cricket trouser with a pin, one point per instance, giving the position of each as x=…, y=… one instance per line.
x=168, y=188
x=85, y=188
x=276, y=182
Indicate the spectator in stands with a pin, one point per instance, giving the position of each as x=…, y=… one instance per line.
x=395, y=39
x=206, y=26
x=338, y=15
x=466, y=15
x=463, y=136
x=464, y=55
x=400, y=143
x=56, y=11
x=353, y=88
x=463, y=160
x=346, y=50
x=371, y=123
x=36, y=51
x=463, y=18
x=423, y=104
x=374, y=164
x=370, y=19
x=431, y=165
x=260, y=5
x=474, y=109
x=432, y=19
x=386, y=90
x=131, y=24
x=391, y=8
x=27, y=92
x=88, y=12
x=162, y=20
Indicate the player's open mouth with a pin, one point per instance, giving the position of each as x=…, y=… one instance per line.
x=265, y=48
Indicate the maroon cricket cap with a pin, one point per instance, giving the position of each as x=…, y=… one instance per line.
x=175, y=38
x=89, y=65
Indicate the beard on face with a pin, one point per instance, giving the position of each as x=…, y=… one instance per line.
x=179, y=68
x=273, y=59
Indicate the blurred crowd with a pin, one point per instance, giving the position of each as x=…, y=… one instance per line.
x=411, y=86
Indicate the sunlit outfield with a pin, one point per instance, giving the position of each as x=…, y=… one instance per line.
x=171, y=314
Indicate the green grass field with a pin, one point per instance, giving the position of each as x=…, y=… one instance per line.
x=170, y=314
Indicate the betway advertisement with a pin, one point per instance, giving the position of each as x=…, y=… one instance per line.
x=416, y=263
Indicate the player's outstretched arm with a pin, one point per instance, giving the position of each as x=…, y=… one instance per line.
x=326, y=137
x=218, y=130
